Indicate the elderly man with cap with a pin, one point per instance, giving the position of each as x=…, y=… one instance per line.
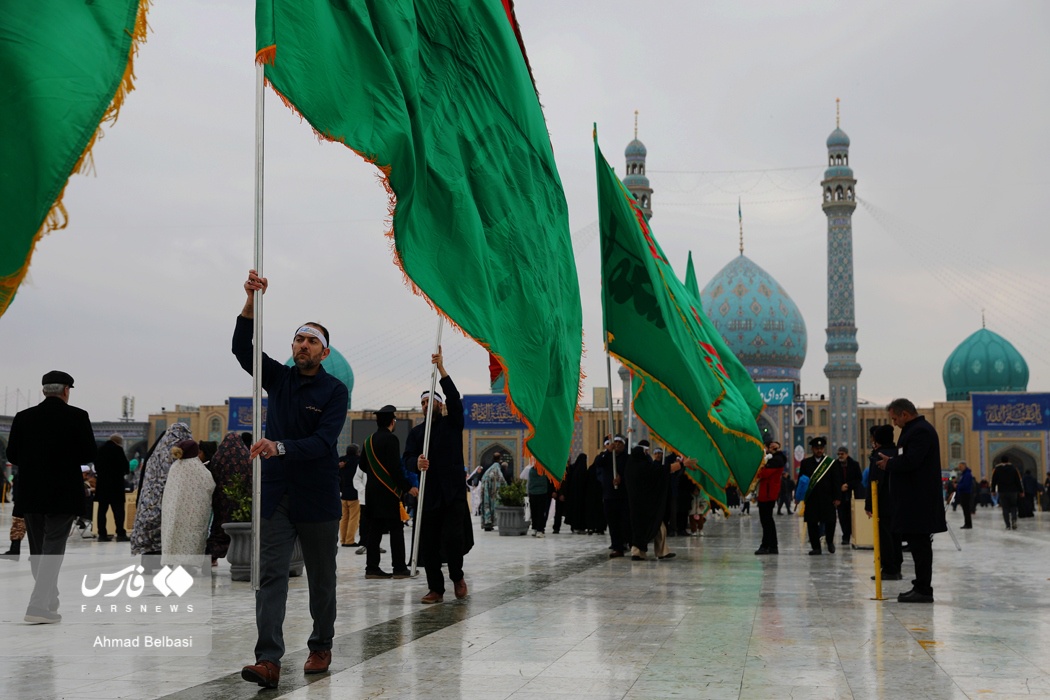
x=49, y=442
x=305, y=413
x=385, y=486
x=111, y=466
x=822, y=496
x=445, y=518
x=614, y=493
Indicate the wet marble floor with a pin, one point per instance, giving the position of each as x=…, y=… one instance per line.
x=555, y=618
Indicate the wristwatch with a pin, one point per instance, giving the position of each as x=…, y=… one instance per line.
x=280, y=449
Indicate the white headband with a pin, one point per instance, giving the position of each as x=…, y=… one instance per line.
x=426, y=394
x=310, y=330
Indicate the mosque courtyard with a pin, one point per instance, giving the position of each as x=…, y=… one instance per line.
x=555, y=618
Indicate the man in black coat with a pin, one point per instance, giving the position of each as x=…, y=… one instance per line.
x=649, y=482
x=49, y=442
x=111, y=466
x=387, y=483
x=822, y=497
x=1006, y=481
x=445, y=514
x=612, y=474
x=852, y=487
x=915, y=493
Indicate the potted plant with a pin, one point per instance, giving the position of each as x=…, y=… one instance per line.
x=510, y=513
x=239, y=492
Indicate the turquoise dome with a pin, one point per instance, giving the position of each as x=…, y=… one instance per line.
x=336, y=365
x=635, y=149
x=757, y=319
x=985, y=361
x=838, y=139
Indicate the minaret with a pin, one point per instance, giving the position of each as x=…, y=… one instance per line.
x=635, y=180
x=842, y=369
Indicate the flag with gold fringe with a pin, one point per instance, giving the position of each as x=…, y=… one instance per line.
x=689, y=388
x=438, y=94
x=65, y=69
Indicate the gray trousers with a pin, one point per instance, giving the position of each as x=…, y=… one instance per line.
x=47, y=536
x=1008, y=503
x=319, y=542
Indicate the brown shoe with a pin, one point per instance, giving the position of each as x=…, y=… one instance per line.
x=265, y=673
x=432, y=597
x=460, y=587
x=318, y=661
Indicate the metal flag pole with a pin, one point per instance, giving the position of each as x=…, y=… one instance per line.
x=949, y=525
x=257, y=316
x=612, y=431
x=426, y=453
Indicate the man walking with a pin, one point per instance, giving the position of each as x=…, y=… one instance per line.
x=1006, y=481
x=49, y=442
x=915, y=493
x=445, y=515
x=769, y=486
x=964, y=494
x=852, y=486
x=111, y=466
x=611, y=467
x=300, y=488
x=822, y=495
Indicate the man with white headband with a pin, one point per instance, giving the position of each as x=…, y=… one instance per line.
x=300, y=488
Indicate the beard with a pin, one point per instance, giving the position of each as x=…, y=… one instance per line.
x=306, y=363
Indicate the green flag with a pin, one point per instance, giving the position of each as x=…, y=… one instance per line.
x=683, y=392
x=65, y=68
x=438, y=95
x=690, y=280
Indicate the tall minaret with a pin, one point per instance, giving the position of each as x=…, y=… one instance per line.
x=635, y=180
x=842, y=369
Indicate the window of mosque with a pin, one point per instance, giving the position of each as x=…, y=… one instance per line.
x=831, y=160
x=845, y=159
x=641, y=169
x=955, y=424
x=214, y=429
x=809, y=416
x=827, y=195
x=823, y=417
x=849, y=194
x=838, y=193
x=956, y=451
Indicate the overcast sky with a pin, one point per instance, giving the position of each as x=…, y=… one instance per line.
x=946, y=104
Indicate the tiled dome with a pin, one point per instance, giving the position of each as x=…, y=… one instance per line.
x=985, y=361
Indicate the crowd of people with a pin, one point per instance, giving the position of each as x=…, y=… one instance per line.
x=640, y=496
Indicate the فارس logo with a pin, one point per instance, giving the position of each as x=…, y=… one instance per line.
x=131, y=581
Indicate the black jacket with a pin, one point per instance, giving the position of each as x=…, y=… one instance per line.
x=853, y=477
x=916, y=506
x=382, y=501
x=604, y=465
x=111, y=466
x=446, y=480
x=49, y=442
x=347, y=472
x=820, y=503
x=1006, y=479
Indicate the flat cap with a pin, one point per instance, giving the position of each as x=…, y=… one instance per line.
x=57, y=377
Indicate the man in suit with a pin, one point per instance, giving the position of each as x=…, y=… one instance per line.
x=852, y=487
x=822, y=496
x=49, y=442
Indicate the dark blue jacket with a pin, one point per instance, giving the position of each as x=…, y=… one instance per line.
x=306, y=414
x=965, y=484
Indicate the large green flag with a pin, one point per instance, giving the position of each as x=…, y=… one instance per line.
x=438, y=94
x=65, y=68
x=690, y=280
x=684, y=390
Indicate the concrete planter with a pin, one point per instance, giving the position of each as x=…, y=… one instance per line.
x=510, y=520
x=240, y=553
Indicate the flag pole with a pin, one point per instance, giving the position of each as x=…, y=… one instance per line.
x=612, y=431
x=257, y=316
x=426, y=453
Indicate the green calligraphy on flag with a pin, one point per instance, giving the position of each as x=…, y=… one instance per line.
x=690, y=390
x=65, y=68
x=438, y=94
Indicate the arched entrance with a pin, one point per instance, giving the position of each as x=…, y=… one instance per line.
x=488, y=456
x=1020, y=458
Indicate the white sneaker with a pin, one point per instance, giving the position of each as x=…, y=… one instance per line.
x=538, y=534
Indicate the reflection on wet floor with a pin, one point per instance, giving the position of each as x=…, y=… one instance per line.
x=552, y=618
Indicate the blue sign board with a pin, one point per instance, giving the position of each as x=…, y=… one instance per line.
x=241, y=414
x=1011, y=411
x=777, y=393
x=489, y=412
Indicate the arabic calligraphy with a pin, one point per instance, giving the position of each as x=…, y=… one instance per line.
x=776, y=394
x=491, y=413
x=1014, y=414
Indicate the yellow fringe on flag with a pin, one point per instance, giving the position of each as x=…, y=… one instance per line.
x=57, y=217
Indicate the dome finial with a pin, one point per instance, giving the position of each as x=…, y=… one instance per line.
x=836, y=113
x=740, y=218
x=982, y=319
x=636, y=123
